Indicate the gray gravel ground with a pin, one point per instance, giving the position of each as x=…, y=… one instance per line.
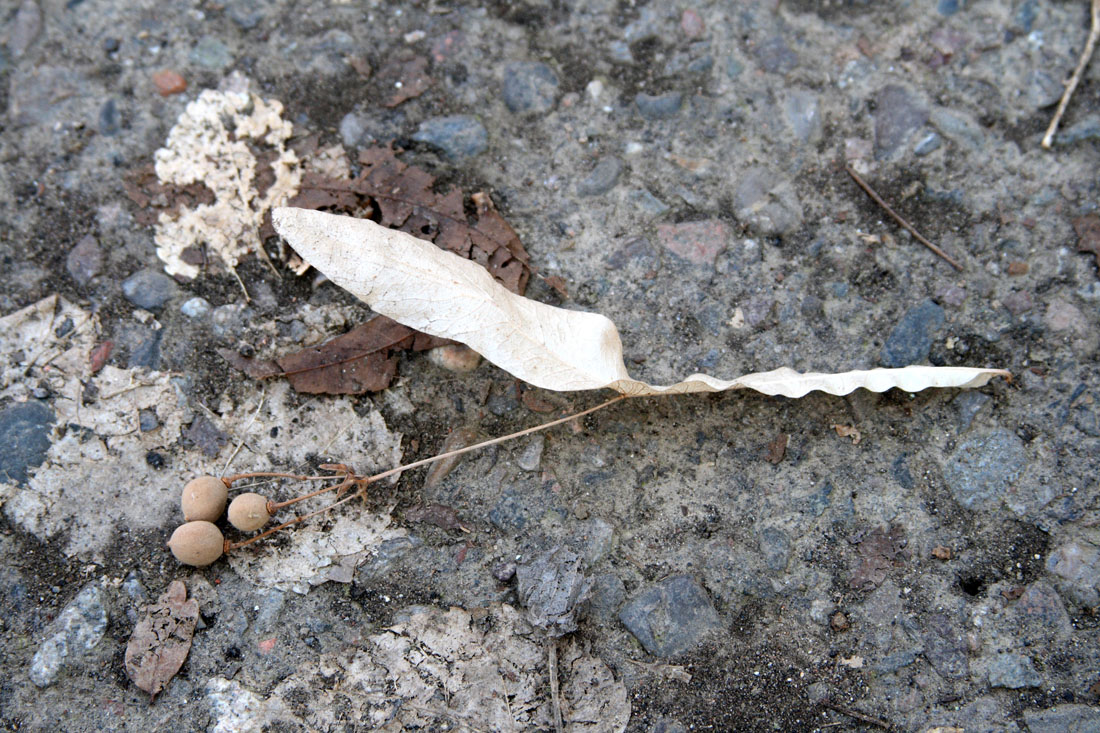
x=681, y=166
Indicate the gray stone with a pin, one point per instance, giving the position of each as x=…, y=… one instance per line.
x=961, y=129
x=775, y=56
x=734, y=67
x=75, y=632
x=1087, y=129
x=529, y=86
x=148, y=420
x=1063, y=719
x=110, y=122
x=24, y=28
x=944, y=648
x=147, y=353
x=246, y=13
x=268, y=610
x=927, y=144
x=1040, y=611
x=898, y=114
x=803, y=115
x=593, y=538
x=775, y=546
x=948, y=7
x=458, y=136
x=85, y=260
x=1026, y=15
x=196, y=307
x=1043, y=89
x=149, y=289
x=911, y=339
x=968, y=403
x=352, y=130
x=211, y=53
x=608, y=593
x=602, y=178
x=983, y=467
x=1078, y=564
x=619, y=52
x=659, y=106
x=671, y=617
x=531, y=457
x=767, y=202
x=701, y=65
x=647, y=202
x=894, y=662
x=229, y=319
x=1013, y=671
x=553, y=590
x=25, y=435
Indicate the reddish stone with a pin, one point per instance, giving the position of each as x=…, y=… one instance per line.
x=1017, y=268
x=695, y=241
x=169, y=82
x=691, y=24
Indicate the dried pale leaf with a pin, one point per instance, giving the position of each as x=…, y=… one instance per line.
x=436, y=292
x=161, y=640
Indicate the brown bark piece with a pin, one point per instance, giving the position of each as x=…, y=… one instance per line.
x=1088, y=234
x=161, y=640
x=407, y=77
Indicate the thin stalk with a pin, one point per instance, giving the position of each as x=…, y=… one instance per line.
x=297, y=520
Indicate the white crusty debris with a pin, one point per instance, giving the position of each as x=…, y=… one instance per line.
x=212, y=143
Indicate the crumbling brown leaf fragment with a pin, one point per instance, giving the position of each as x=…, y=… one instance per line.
x=878, y=551
x=361, y=360
x=1088, y=234
x=406, y=76
x=438, y=515
x=777, y=449
x=161, y=640
x=848, y=431
x=153, y=197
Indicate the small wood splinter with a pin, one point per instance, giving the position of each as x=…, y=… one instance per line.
x=1071, y=85
x=908, y=227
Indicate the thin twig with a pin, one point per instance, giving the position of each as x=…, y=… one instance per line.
x=1071, y=85
x=862, y=717
x=494, y=441
x=555, y=694
x=908, y=227
x=263, y=396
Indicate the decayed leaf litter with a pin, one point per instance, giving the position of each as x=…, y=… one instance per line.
x=98, y=444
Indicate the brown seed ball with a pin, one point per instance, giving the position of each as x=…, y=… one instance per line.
x=248, y=512
x=204, y=499
x=197, y=543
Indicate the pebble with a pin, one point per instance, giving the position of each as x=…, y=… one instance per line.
x=531, y=457
x=1043, y=89
x=85, y=260
x=593, y=539
x=1013, y=671
x=927, y=144
x=25, y=434
x=1061, y=316
x=1018, y=302
x=961, y=129
x=147, y=353
x=947, y=7
x=529, y=86
x=647, y=202
x=148, y=420
x=911, y=339
x=983, y=467
x=149, y=289
x=169, y=82
x=775, y=56
x=775, y=546
x=24, y=28
x=734, y=67
x=898, y=114
x=698, y=242
x=968, y=403
x=945, y=649
x=671, y=617
x=602, y=178
x=196, y=307
x=767, y=202
x=109, y=120
x=247, y=14
x=229, y=319
x=211, y=53
x=619, y=52
x=691, y=23
x=1041, y=611
x=76, y=631
x=659, y=106
x=803, y=115
x=456, y=358
x=1070, y=718
x=268, y=610
x=352, y=130
x=1079, y=565
x=608, y=593
x=458, y=136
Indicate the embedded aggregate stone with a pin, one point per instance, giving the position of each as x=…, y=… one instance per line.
x=1013, y=671
x=898, y=114
x=602, y=178
x=149, y=289
x=25, y=434
x=671, y=617
x=529, y=86
x=458, y=136
x=658, y=106
x=983, y=467
x=75, y=632
x=911, y=339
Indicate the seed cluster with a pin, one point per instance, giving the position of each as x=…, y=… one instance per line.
x=199, y=542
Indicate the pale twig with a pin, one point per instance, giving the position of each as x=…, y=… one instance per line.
x=263, y=396
x=1071, y=85
x=897, y=217
x=555, y=693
